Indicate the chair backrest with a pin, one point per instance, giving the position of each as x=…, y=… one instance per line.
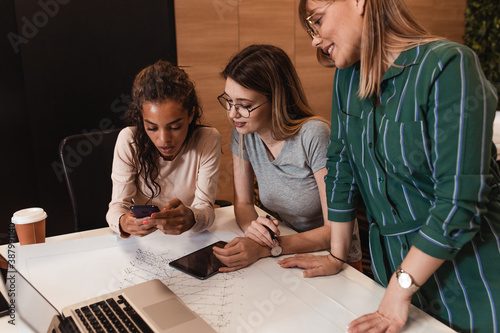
x=87, y=163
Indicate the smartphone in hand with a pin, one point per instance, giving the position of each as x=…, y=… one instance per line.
x=144, y=210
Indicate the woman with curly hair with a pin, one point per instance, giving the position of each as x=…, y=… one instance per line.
x=165, y=158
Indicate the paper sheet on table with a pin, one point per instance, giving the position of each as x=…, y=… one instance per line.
x=262, y=297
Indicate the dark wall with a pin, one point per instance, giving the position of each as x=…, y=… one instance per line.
x=67, y=68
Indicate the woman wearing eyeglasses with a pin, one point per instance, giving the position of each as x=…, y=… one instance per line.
x=412, y=119
x=277, y=139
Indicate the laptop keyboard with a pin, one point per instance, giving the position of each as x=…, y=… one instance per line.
x=112, y=315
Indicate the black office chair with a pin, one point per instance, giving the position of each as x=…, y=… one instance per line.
x=87, y=162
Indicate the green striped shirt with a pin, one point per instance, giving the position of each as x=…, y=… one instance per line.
x=424, y=164
x=421, y=159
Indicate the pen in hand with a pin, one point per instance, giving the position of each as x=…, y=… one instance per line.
x=273, y=235
x=276, y=249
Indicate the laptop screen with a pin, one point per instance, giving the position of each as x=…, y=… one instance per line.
x=32, y=310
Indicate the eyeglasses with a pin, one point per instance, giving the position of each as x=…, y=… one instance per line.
x=244, y=111
x=314, y=24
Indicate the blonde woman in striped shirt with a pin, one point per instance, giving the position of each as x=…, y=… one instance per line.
x=412, y=119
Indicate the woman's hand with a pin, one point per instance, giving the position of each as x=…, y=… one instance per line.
x=130, y=225
x=174, y=219
x=314, y=265
x=391, y=315
x=239, y=253
x=257, y=232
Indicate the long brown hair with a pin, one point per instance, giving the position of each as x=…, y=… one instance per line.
x=268, y=70
x=388, y=27
x=157, y=84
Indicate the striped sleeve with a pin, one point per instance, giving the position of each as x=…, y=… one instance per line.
x=341, y=188
x=459, y=123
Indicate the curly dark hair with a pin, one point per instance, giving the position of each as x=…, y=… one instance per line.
x=157, y=84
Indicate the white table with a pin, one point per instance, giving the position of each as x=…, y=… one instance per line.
x=260, y=298
x=496, y=133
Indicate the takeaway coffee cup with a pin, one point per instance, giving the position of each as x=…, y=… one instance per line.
x=30, y=225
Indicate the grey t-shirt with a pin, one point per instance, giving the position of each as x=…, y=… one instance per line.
x=287, y=185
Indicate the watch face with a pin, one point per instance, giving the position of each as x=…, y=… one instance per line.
x=404, y=280
x=276, y=251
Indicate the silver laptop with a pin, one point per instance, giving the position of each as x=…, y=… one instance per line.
x=146, y=307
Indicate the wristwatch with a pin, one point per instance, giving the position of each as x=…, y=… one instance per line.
x=276, y=251
x=405, y=280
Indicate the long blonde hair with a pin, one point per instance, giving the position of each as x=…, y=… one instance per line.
x=268, y=70
x=388, y=27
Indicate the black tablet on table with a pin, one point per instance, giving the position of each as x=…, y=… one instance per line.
x=201, y=264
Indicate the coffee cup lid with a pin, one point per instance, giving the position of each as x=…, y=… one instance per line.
x=29, y=215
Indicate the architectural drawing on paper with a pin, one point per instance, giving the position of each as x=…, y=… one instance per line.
x=213, y=299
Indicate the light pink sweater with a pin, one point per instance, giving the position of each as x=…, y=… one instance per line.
x=192, y=177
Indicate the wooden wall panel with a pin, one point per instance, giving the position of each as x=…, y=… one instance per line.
x=267, y=22
x=209, y=32
x=316, y=79
x=441, y=17
x=207, y=35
